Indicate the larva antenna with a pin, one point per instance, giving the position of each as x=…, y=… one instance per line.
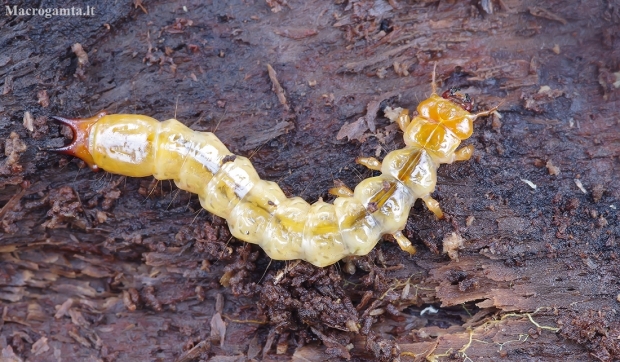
x=81, y=131
x=434, y=81
x=475, y=116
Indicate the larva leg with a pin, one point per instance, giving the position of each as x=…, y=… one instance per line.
x=433, y=205
x=370, y=162
x=341, y=191
x=403, y=120
x=464, y=153
x=403, y=242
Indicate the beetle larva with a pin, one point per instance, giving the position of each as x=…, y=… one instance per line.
x=257, y=211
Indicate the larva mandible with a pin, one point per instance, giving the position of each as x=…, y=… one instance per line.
x=257, y=211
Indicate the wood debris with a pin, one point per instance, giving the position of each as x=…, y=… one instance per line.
x=608, y=80
x=218, y=329
x=276, y=5
x=82, y=57
x=13, y=148
x=43, y=98
x=530, y=184
x=138, y=4
x=402, y=69
x=354, y=131
x=40, y=346
x=487, y=6
x=547, y=14
x=195, y=353
x=7, y=355
x=358, y=66
x=296, y=33
x=357, y=129
x=451, y=245
x=36, y=313
x=580, y=186
x=177, y=28
x=5, y=59
x=8, y=85
x=276, y=87
x=63, y=309
x=28, y=121
x=553, y=170
x=597, y=192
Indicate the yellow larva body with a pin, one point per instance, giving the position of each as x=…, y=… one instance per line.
x=257, y=211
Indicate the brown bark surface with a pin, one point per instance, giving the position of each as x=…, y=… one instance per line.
x=95, y=266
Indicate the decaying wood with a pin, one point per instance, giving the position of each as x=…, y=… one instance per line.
x=96, y=266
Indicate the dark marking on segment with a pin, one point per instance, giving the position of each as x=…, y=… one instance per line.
x=229, y=158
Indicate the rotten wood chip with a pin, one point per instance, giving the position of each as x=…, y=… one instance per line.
x=4, y=60
x=296, y=33
x=40, y=346
x=310, y=353
x=277, y=88
x=28, y=121
x=357, y=129
x=13, y=201
x=331, y=342
x=138, y=4
x=451, y=245
x=150, y=299
x=580, y=186
x=597, y=192
x=195, y=353
x=80, y=53
x=269, y=342
x=253, y=348
x=218, y=329
x=553, y=170
x=8, y=85
x=276, y=5
x=219, y=303
x=530, y=183
x=358, y=66
x=487, y=6
x=354, y=131
x=282, y=345
x=81, y=340
x=8, y=355
x=77, y=318
x=131, y=299
x=44, y=99
x=544, y=13
x=35, y=313
x=62, y=309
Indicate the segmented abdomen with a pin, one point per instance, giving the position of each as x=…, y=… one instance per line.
x=257, y=211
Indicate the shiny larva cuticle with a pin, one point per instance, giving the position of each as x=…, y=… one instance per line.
x=257, y=211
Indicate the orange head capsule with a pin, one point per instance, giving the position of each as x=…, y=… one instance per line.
x=81, y=133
